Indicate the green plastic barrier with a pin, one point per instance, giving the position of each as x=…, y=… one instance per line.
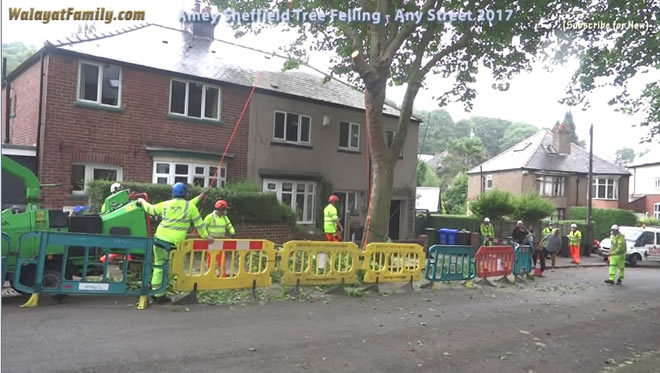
x=107, y=284
x=451, y=263
x=523, y=262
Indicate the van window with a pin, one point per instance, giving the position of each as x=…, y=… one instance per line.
x=646, y=238
x=657, y=238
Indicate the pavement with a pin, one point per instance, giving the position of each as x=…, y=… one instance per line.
x=586, y=261
x=565, y=322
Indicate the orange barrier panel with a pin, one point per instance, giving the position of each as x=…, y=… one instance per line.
x=495, y=261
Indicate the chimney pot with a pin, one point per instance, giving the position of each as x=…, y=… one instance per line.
x=561, y=139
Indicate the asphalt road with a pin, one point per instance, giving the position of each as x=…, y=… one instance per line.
x=566, y=322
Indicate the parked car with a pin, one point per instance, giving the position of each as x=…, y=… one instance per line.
x=643, y=244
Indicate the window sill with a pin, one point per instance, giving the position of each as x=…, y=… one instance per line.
x=184, y=118
x=91, y=105
x=606, y=199
x=290, y=144
x=348, y=150
x=79, y=196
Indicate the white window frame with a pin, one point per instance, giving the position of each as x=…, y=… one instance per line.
x=351, y=126
x=597, y=181
x=310, y=196
x=657, y=183
x=557, y=185
x=89, y=173
x=489, y=179
x=656, y=210
x=191, y=175
x=185, y=99
x=299, y=136
x=99, y=84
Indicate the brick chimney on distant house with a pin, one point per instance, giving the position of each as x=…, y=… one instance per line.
x=561, y=139
x=200, y=27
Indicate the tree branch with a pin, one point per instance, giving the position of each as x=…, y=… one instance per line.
x=403, y=34
x=460, y=44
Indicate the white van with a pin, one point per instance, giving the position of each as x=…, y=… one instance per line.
x=643, y=244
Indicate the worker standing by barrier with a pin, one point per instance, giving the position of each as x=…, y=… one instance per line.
x=575, y=238
x=331, y=224
x=617, y=255
x=487, y=233
x=177, y=214
x=218, y=225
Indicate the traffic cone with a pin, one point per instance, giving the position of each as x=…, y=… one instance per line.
x=538, y=272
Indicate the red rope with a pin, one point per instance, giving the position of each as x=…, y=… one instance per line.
x=238, y=123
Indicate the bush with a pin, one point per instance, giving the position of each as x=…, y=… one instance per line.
x=453, y=199
x=494, y=204
x=604, y=218
x=244, y=186
x=469, y=223
x=649, y=222
x=245, y=207
x=532, y=208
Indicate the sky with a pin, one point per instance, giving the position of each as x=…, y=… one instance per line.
x=532, y=97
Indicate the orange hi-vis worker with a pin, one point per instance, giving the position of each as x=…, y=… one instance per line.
x=575, y=237
x=331, y=220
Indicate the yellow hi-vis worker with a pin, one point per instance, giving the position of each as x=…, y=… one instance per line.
x=331, y=220
x=618, y=251
x=547, y=230
x=218, y=225
x=176, y=216
x=487, y=233
x=575, y=237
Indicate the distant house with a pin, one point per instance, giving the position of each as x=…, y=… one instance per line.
x=547, y=163
x=434, y=161
x=645, y=185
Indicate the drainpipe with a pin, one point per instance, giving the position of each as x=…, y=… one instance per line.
x=577, y=189
x=7, y=99
x=41, y=101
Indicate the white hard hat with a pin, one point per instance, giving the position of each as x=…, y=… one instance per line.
x=573, y=225
x=486, y=220
x=615, y=227
x=115, y=187
x=519, y=222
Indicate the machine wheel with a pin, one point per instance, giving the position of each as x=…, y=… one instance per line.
x=632, y=261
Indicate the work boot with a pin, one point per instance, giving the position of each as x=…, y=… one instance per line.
x=608, y=281
x=619, y=282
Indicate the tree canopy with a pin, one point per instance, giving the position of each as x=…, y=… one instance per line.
x=16, y=52
x=625, y=156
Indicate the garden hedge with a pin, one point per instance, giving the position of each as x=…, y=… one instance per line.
x=244, y=207
x=604, y=218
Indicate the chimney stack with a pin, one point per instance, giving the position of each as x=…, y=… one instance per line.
x=561, y=139
x=199, y=27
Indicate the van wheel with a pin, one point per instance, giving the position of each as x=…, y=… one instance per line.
x=632, y=261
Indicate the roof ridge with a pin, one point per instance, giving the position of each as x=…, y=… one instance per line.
x=500, y=154
x=97, y=35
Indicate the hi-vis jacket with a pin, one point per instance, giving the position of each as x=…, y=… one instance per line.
x=487, y=230
x=575, y=237
x=330, y=219
x=217, y=226
x=618, y=243
x=176, y=216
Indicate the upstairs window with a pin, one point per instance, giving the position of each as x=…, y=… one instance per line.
x=99, y=83
x=489, y=182
x=349, y=136
x=605, y=188
x=195, y=100
x=292, y=128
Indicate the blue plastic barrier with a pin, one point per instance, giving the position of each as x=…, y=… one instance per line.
x=90, y=243
x=523, y=260
x=450, y=263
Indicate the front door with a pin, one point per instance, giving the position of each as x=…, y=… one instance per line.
x=341, y=212
x=395, y=215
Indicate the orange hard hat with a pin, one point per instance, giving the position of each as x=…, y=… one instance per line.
x=333, y=198
x=221, y=204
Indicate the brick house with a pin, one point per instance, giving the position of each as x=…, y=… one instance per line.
x=645, y=185
x=157, y=104
x=547, y=163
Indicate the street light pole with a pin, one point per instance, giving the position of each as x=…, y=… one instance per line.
x=590, y=240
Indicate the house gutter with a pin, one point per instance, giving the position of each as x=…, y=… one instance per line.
x=39, y=119
x=7, y=103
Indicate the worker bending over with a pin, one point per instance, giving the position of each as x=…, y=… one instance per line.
x=331, y=224
x=176, y=216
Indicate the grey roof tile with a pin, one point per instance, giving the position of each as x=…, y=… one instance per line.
x=177, y=51
x=532, y=154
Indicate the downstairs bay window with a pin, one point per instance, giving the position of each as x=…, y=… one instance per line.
x=299, y=195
